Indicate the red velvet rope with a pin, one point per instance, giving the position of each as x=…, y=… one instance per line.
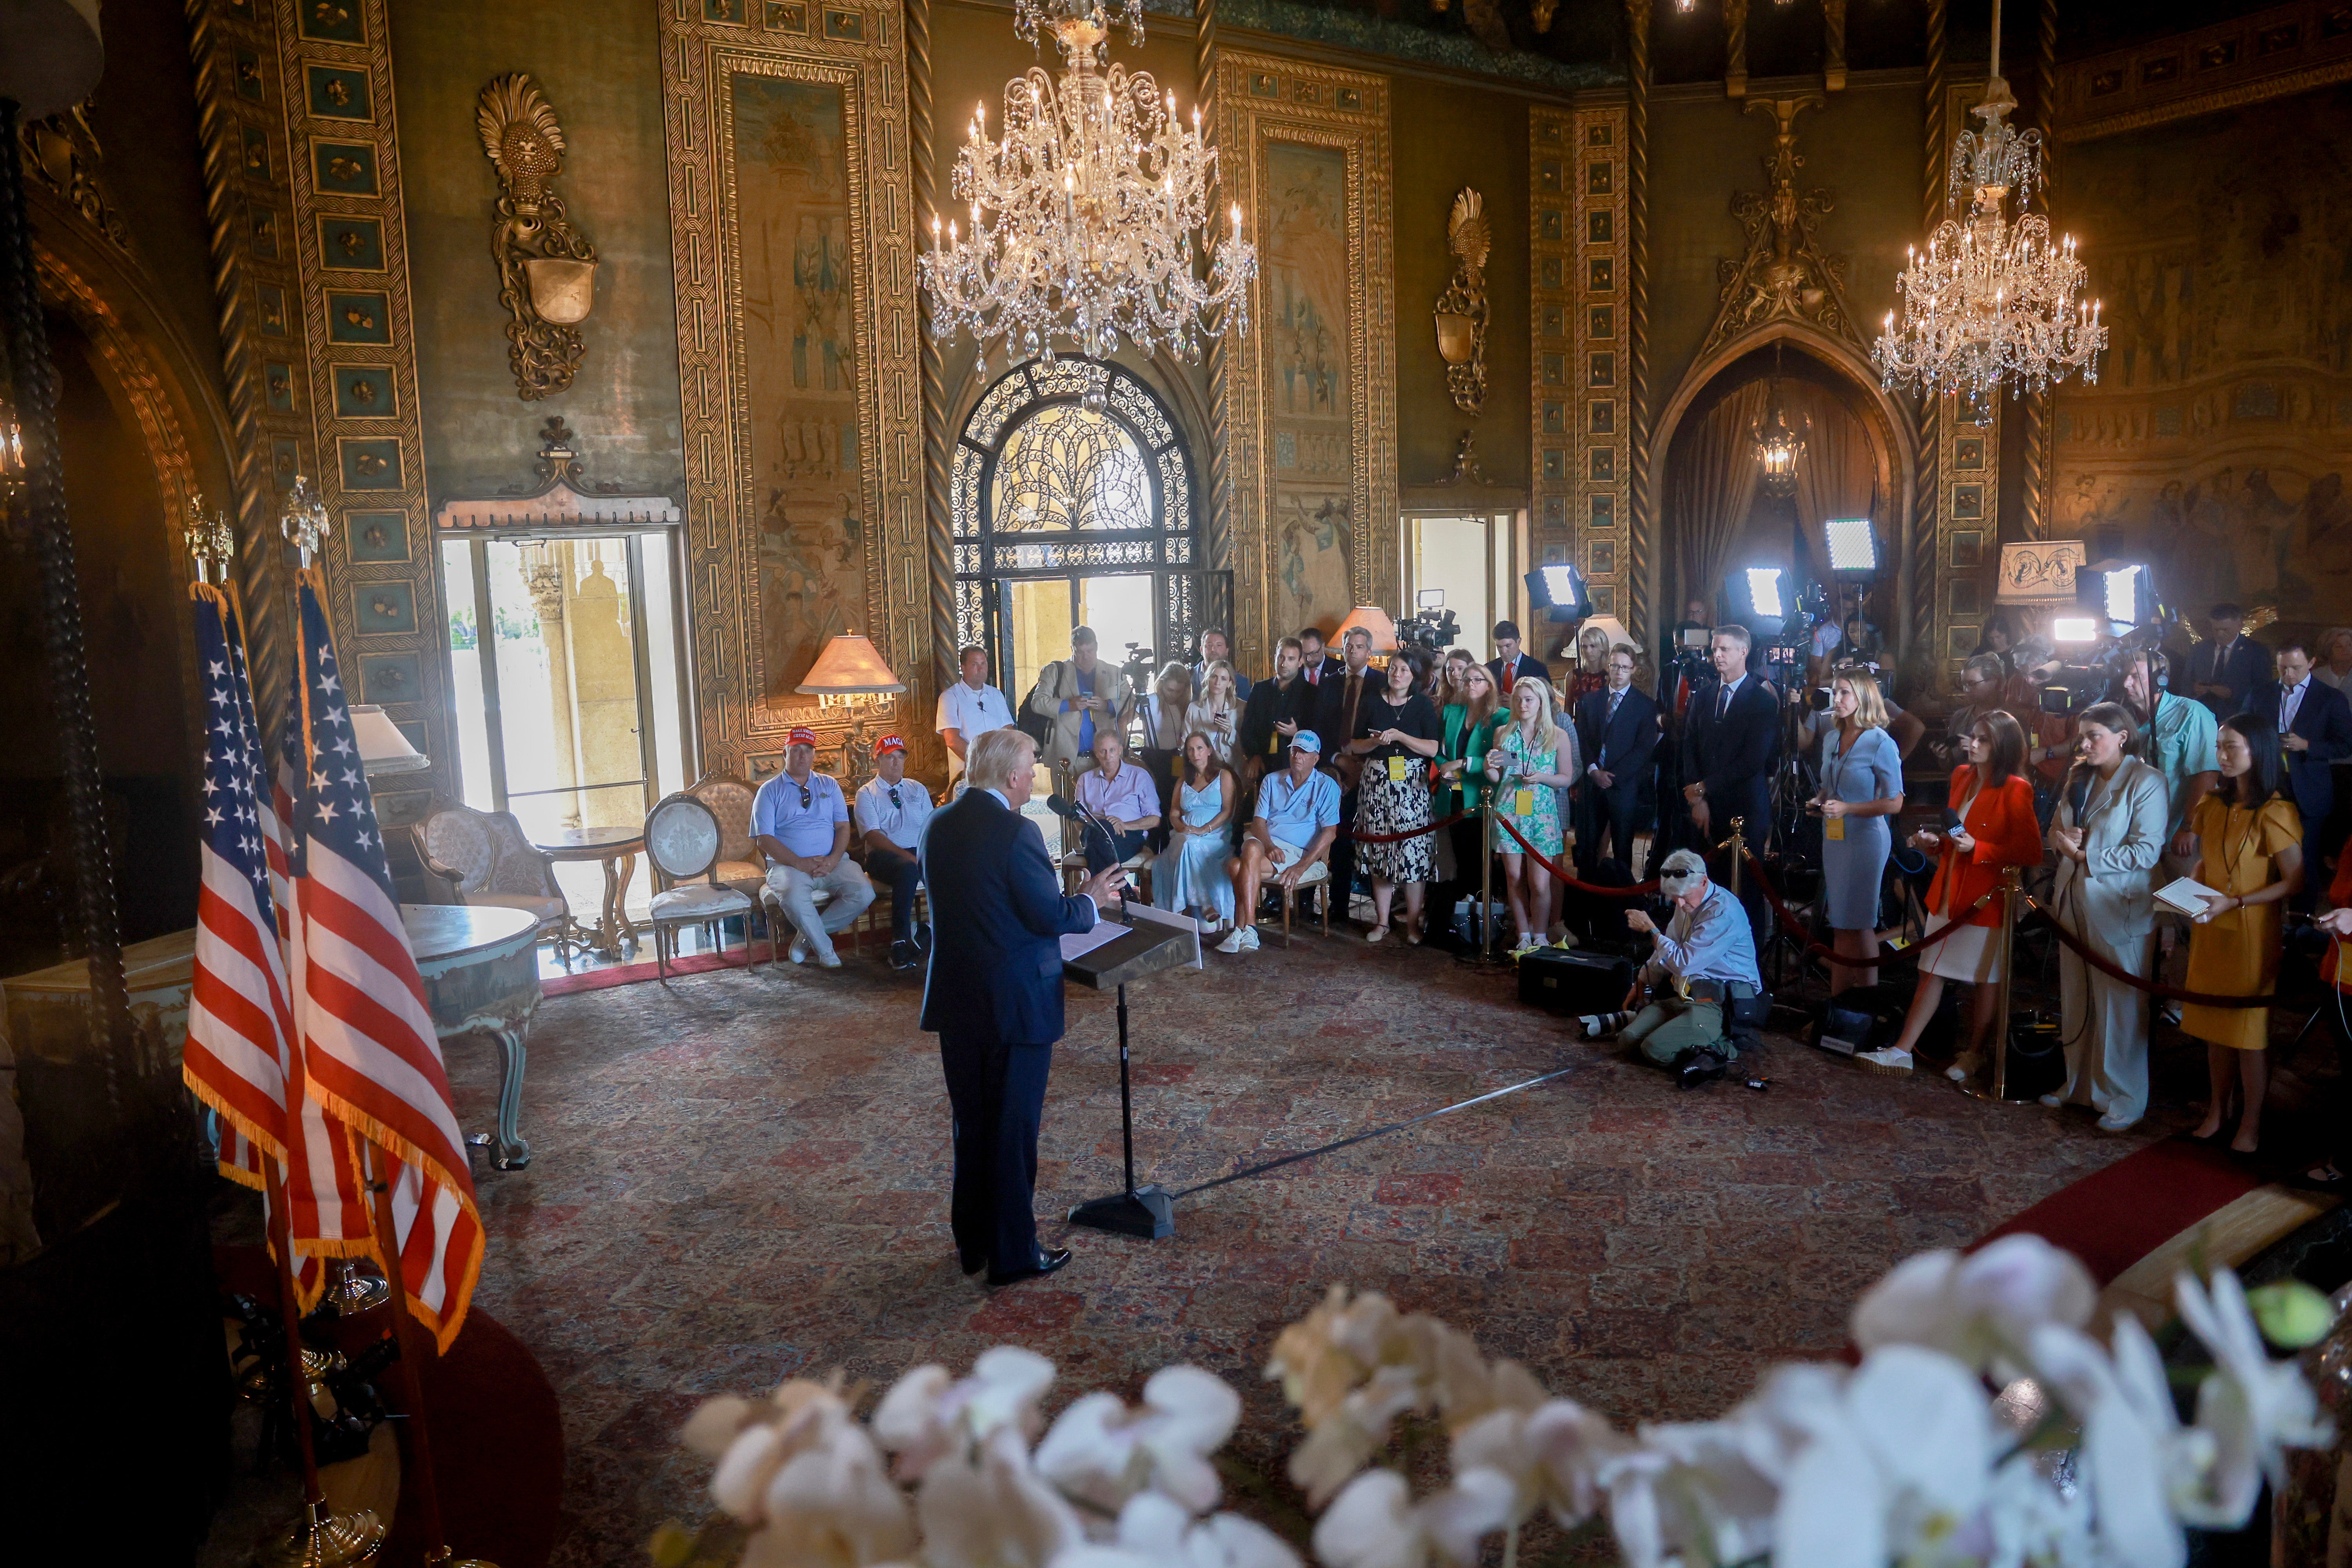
x=2153, y=987
x=1816, y=950
x=1566, y=881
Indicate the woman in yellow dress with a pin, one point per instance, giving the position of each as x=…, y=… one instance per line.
x=2252, y=841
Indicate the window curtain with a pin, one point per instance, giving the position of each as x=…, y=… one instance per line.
x=1838, y=475
x=1711, y=487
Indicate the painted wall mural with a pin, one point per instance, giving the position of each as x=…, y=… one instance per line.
x=791, y=187
x=2216, y=442
x=1309, y=400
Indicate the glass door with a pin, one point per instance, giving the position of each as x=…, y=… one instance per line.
x=566, y=657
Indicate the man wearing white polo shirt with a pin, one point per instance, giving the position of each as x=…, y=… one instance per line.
x=801, y=825
x=892, y=811
x=969, y=709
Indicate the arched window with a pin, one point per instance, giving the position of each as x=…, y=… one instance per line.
x=1049, y=490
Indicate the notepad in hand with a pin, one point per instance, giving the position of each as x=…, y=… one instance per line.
x=2187, y=896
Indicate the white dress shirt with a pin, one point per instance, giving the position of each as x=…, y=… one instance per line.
x=972, y=713
x=2290, y=704
x=901, y=823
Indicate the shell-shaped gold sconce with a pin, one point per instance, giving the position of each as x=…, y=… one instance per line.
x=1461, y=310
x=547, y=269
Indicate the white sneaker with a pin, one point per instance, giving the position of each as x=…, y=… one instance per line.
x=828, y=959
x=1241, y=938
x=1956, y=1073
x=2113, y=1123
x=1887, y=1059
x=798, y=951
x=2053, y=1102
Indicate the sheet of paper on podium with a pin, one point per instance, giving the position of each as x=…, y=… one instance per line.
x=1143, y=915
x=1075, y=942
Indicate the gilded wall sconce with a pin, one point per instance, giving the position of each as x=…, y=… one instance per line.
x=1461, y=310
x=547, y=269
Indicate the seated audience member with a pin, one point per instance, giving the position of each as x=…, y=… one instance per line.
x=2110, y=834
x=892, y=811
x=1216, y=710
x=1160, y=713
x=2254, y=857
x=1703, y=961
x=1190, y=878
x=1297, y=817
x=801, y=825
x=969, y=709
x=1274, y=712
x=1996, y=828
x=1217, y=648
x=1121, y=794
x=1399, y=734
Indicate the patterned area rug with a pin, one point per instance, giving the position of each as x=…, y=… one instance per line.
x=741, y=1176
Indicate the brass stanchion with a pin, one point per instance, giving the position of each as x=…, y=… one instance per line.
x=2010, y=888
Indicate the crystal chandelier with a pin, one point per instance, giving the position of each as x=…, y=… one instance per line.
x=1993, y=298
x=1083, y=217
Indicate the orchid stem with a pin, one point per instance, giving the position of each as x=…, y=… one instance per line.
x=1511, y=1547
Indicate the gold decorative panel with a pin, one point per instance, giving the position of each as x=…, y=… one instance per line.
x=1312, y=393
x=1582, y=420
x=303, y=185
x=1967, y=492
x=2227, y=65
x=791, y=216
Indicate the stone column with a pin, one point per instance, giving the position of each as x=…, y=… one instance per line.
x=545, y=569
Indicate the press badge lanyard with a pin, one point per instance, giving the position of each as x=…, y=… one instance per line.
x=1833, y=828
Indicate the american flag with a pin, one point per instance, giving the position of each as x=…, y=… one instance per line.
x=367, y=1040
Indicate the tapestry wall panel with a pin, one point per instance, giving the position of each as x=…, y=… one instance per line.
x=790, y=210
x=1313, y=393
x=2217, y=441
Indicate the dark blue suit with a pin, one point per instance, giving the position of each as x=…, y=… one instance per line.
x=1623, y=747
x=994, y=995
x=1733, y=756
x=2241, y=663
x=2324, y=718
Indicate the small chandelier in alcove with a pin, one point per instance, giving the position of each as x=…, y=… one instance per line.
x=1778, y=446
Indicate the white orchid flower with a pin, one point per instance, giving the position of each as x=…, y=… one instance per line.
x=1550, y=1454
x=1102, y=1452
x=1347, y=1437
x=1375, y=1523
x=2028, y=1521
x=987, y=1507
x=2250, y=1407
x=1685, y=1495
x=1156, y=1531
x=831, y=1505
x=927, y=1414
x=2132, y=1443
x=1980, y=1308
x=1901, y=1459
x=764, y=1441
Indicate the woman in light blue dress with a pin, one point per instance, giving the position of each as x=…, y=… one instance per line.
x=1861, y=791
x=1190, y=877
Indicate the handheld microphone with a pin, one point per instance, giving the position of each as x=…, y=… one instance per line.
x=2078, y=791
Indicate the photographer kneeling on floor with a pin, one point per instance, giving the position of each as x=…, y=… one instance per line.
x=1704, y=958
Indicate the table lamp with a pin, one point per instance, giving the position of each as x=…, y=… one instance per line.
x=1373, y=619
x=850, y=666
x=382, y=748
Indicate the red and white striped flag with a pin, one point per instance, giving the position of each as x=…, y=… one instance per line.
x=367, y=1042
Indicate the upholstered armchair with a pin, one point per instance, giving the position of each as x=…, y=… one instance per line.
x=729, y=800
x=683, y=839
x=487, y=861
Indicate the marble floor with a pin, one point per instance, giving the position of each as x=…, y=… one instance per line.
x=741, y=1177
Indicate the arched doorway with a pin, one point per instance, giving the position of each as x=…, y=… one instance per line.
x=1714, y=515
x=1073, y=503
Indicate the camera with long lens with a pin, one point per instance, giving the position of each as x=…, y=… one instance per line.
x=1431, y=627
x=1140, y=669
x=2116, y=616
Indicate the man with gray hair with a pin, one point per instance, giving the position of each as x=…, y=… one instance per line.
x=1700, y=964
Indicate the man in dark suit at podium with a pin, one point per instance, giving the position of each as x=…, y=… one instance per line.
x=994, y=995
x=1617, y=733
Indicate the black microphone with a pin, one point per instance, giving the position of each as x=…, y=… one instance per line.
x=2078, y=791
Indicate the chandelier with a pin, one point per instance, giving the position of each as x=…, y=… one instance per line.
x=1993, y=298
x=1778, y=447
x=1083, y=217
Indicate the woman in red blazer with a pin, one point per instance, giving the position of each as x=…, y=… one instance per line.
x=1994, y=800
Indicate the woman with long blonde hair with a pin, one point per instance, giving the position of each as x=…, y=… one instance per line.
x=1216, y=711
x=1529, y=759
x=1861, y=794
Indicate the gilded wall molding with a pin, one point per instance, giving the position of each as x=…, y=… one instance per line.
x=1580, y=241
x=1316, y=461
x=805, y=506
x=2276, y=53
x=1967, y=498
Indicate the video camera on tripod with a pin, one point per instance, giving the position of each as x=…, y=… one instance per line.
x=1780, y=615
x=2117, y=614
x=1139, y=668
x=1432, y=626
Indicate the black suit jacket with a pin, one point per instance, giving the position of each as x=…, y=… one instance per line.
x=1269, y=703
x=2325, y=720
x=1733, y=755
x=997, y=915
x=1334, y=729
x=1527, y=664
x=1631, y=739
x=1332, y=664
x=2243, y=666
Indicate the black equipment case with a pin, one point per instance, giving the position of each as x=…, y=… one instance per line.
x=1574, y=981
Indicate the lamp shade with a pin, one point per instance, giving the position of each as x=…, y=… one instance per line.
x=382, y=748
x=850, y=666
x=1373, y=619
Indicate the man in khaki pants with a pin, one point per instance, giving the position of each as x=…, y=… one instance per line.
x=1081, y=695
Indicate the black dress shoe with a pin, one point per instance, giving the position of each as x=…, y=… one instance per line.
x=903, y=956
x=971, y=1263
x=1694, y=1068
x=923, y=936
x=1048, y=1261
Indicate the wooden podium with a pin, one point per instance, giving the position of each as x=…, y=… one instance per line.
x=1138, y=954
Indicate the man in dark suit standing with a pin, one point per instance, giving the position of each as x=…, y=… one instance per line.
x=1337, y=705
x=1731, y=731
x=2315, y=726
x=2226, y=667
x=1509, y=663
x=994, y=995
x=1315, y=665
x=1617, y=729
